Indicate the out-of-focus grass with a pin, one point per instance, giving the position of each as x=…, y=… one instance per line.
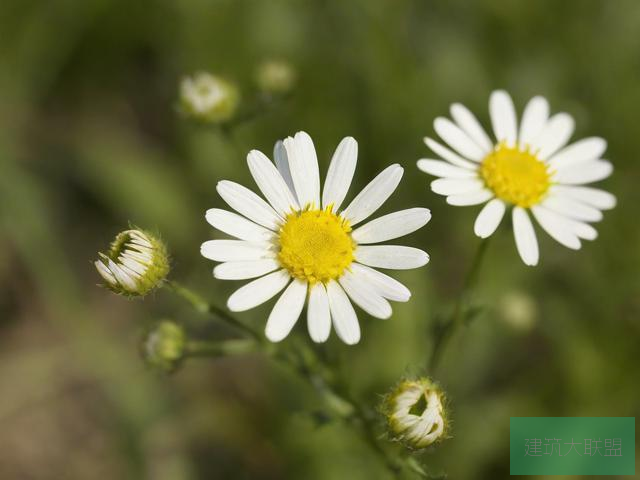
x=89, y=141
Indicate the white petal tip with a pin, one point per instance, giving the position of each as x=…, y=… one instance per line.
x=234, y=307
x=481, y=234
x=398, y=167
x=273, y=337
x=319, y=339
x=499, y=92
x=216, y=273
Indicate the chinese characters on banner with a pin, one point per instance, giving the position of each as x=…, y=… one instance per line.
x=536, y=447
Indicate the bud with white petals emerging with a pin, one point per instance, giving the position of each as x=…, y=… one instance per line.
x=164, y=346
x=276, y=77
x=208, y=98
x=415, y=413
x=136, y=263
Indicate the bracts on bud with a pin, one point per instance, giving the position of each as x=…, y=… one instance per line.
x=164, y=346
x=136, y=263
x=415, y=413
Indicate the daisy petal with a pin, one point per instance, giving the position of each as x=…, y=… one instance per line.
x=258, y=291
x=245, y=269
x=534, y=118
x=582, y=173
x=489, y=218
x=303, y=165
x=555, y=135
x=340, y=174
x=557, y=229
x=473, y=198
x=247, y=203
x=583, y=230
x=282, y=164
x=374, y=194
x=394, y=257
x=448, y=155
x=438, y=168
x=235, y=250
x=286, y=311
x=345, y=320
x=393, y=225
x=525, y=236
x=578, y=228
x=105, y=272
x=581, y=151
x=457, y=139
x=386, y=286
x=367, y=299
x=271, y=183
x=591, y=196
x=122, y=276
x=237, y=226
x=503, y=117
x=456, y=186
x=572, y=208
x=318, y=314
x=468, y=122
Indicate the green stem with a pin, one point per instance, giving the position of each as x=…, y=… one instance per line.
x=261, y=105
x=446, y=331
x=304, y=362
x=201, y=305
x=202, y=348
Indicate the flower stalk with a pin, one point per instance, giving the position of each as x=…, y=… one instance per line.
x=444, y=332
x=202, y=306
x=307, y=365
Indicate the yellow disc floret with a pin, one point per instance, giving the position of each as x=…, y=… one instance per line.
x=515, y=176
x=315, y=245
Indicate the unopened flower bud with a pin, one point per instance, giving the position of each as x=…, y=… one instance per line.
x=276, y=77
x=415, y=413
x=135, y=264
x=208, y=98
x=163, y=347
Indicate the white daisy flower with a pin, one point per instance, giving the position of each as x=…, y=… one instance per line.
x=302, y=240
x=530, y=169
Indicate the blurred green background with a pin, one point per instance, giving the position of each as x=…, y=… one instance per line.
x=90, y=141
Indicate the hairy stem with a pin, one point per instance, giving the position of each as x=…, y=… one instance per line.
x=305, y=363
x=203, y=348
x=201, y=305
x=446, y=331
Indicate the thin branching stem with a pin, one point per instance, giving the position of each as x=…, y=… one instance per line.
x=446, y=331
x=201, y=305
x=305, y=363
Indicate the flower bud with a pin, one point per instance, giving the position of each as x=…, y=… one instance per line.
x=276, y=77
x=135, y=264
x=208, y=98
x=163, y=347
x=415, y=413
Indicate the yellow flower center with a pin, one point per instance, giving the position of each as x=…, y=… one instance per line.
x=515, y=176
x=315, y=245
